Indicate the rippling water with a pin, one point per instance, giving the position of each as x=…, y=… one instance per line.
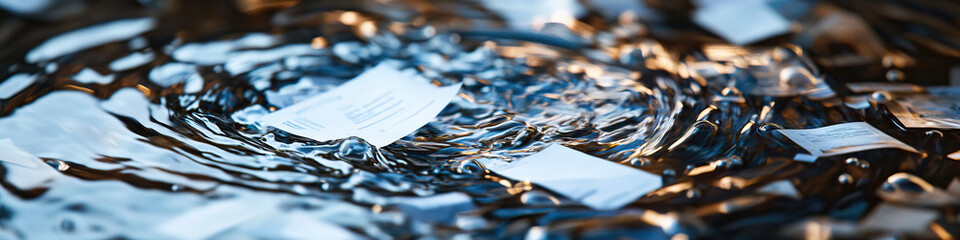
x=141, y=119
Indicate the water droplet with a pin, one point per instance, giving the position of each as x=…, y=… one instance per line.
x=895, y=75
x=693, y=193
x=845, y=179
x=640, y=162
x=766, y=129
x=731, y=92
x=539, y=198
x=62, y=166
x=468, y=167
x=881, y=96
x=67, y=225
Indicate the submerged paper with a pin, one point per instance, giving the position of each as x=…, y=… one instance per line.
x=595, y=182
x=843, y=138
x=742, y=24
x=381, y=106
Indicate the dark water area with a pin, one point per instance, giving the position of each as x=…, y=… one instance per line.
x=145, y=113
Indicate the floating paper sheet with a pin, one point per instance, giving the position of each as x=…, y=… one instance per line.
x=595, y=182
x=843, y=138
x=380, y=106
x=742, y=24
x=782, y=188
x=940, y=109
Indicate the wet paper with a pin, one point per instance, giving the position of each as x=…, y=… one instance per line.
x=381, y=106
x=595, y=182
x=940, y=109
x=742, y=24
x=843, y=138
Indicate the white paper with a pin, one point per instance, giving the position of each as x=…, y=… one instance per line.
x=380, y=106
x=742, y=24
x=928, y=111
x=594, y=182
x=783, y=188
x=803, y=157
x=24, y=170
x=206, y=221
x=843, y=138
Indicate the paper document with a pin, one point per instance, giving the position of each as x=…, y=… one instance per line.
x=843, y=138
x=380, y=106
x=594, y=182
x=940, y=109
x=742, y=24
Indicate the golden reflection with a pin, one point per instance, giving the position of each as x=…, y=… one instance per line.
x=954, y=156
x=367, y=29
x=144, y=89
x=79, y=88
x=350, y=18
x=319, y=43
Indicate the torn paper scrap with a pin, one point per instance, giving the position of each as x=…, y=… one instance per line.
x=24, y=170
x=803, y=157
x=381, y=106
x=742, y=24
x=594, y=182
x=781, y=188
x=843, y=138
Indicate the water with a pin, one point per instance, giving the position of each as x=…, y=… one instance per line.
x=143, y=118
